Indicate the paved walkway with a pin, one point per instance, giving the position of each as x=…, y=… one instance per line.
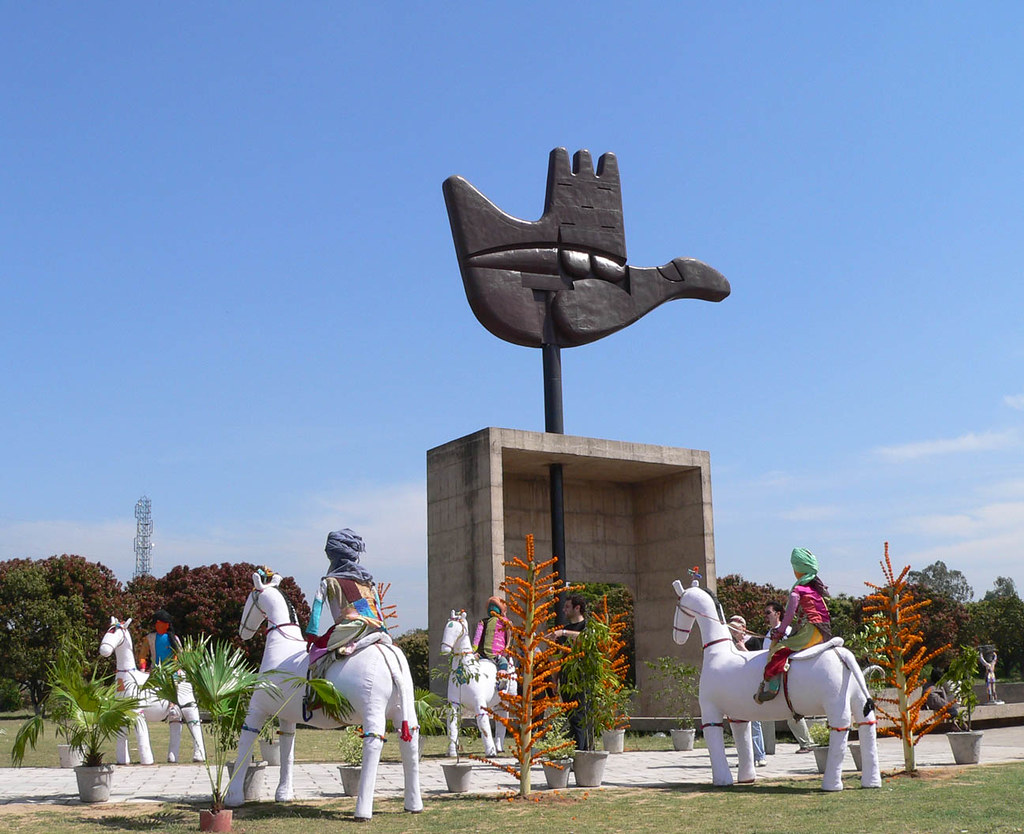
x=185, y=782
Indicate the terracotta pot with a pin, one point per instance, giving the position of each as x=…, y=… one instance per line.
x=215, y=821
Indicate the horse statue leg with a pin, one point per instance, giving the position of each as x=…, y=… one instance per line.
x=285, y=790
x=410, y=749
x=142, y=738
x=483, y=722
x=123, y=754
x=373, y=743
x=235, y=795
x=174, y=725
x=713, y=727
x=741, y=733
x=839, y=722
x=190, y=716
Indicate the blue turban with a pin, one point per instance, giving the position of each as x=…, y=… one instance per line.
x=343, y=549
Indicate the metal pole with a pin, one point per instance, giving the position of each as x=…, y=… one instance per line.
x=553, y=423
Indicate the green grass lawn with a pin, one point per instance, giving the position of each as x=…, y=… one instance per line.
x=982, y=798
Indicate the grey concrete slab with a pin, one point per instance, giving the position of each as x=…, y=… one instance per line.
x=313, y=781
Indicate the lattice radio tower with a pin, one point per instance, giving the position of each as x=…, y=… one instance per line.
x=143, y=538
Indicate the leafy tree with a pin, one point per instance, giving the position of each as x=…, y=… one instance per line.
x=941, y=581
x=999, y=621
x=35, y=620
x=1003, y=587
x=619, y=600
x=416, y=645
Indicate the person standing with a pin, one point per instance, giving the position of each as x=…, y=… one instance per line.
x=574, y=610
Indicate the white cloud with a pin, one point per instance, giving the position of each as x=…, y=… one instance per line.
x=392, y=520
x=1015, y=401
x=970, y=442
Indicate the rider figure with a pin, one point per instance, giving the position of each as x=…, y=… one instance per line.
x=161, y=643
x=350, y=594
x=807, y=597
x=491, y=638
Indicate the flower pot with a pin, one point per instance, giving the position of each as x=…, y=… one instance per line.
x=456, y=775
x=252, y=784
x=683, y=739
x=613, y=740
x=271, y=751
x=215, y=820
x=557, y=773
x=588, y=767
x=350, y=778
x=69, y=756
x=854, y=748
x=94, y=782
x=966, y=747
x=820, y=757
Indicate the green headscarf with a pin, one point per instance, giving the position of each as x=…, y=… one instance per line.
x=805, y=564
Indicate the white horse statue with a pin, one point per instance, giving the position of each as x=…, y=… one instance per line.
x=118, y=642
x=823, y=680
x=376, y=681
x=472, y=686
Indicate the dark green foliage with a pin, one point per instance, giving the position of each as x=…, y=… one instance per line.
x=416, y=645
x=11, y=699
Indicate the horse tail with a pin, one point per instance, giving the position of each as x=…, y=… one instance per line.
x=850, y=662
x=402, y=679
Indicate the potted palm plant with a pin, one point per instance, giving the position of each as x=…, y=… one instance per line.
x=350, y=751
x=92, y=713
x=676, y=686
x=223, y=683
x=965, y=743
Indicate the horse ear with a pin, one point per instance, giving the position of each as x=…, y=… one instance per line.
x=128, y=622
x=257, y=582
x=113, y=620
x=452, y=617
x=275, y=580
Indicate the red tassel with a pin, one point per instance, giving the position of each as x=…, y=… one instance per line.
x=405, y=734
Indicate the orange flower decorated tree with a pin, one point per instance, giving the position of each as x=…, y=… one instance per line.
x=902, y=654
x=531, y=590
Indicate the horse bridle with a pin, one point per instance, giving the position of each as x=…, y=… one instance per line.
x=255, y=595
x=695, y=615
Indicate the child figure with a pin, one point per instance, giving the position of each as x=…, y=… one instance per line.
x=807, y=597
x=989, y=663
x=490, y=640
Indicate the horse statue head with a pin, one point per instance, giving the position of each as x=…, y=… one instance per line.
x=116, y=635
x=273, y=607
x=455, y=638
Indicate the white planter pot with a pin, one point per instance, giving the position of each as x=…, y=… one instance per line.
x=820, y=757
x=69, y=756
x=350, y=778
x=854, y=749
x=456, y=775
x=588, y=767
x=271, y=751
x=94, y=782
x=557, y=773
x=966, y=747
x=613, y=740
x=252, y=783
x=683, y=739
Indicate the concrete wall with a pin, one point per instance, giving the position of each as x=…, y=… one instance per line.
x=635, y=514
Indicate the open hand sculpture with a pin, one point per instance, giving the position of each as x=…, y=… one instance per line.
x=563, y=279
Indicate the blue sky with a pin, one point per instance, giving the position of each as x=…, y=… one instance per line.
x=228, y=280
